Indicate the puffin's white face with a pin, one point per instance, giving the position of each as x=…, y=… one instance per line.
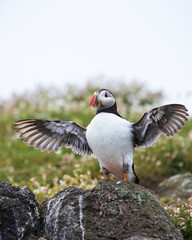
x=102, y=99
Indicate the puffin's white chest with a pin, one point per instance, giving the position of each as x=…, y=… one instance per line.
x=110, y=138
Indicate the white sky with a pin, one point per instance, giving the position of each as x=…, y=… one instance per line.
x=59, y=42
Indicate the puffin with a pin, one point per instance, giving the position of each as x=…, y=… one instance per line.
x=110, y=137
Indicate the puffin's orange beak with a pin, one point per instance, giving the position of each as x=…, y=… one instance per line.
x=95, y=101
x=92, y=102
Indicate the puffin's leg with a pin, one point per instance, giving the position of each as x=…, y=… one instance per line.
x=106, y=172
x=125, y=170
x=104, y=169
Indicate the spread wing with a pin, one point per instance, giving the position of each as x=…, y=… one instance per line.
x=167, y=119
x=53, y=135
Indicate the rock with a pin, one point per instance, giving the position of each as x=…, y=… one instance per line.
x=178, y=186
x=112, y=210
x=19, y=215
x=141, y=238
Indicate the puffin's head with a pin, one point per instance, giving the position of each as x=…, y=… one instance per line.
x=102, y=99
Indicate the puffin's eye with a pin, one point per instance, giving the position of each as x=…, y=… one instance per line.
x=106, y=94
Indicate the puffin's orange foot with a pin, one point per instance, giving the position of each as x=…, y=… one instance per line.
x=106, y=176
x=125, y=176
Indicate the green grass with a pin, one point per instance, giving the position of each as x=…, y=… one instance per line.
x=183, y=221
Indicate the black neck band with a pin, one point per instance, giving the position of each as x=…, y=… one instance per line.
x=112, y=109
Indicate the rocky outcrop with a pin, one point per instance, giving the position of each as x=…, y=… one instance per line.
x=178, y=186
x=112, y=210
x=19, y=214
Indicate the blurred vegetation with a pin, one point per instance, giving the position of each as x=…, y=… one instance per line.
x=182, y=219
x=181, y=215
x=23, y=165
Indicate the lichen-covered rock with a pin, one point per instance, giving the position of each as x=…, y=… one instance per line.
x=19, y=215
x=112, y=210
x=178, y=186
x=141, y=238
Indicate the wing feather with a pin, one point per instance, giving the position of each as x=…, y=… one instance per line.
x=167, y=119
x=53, y=135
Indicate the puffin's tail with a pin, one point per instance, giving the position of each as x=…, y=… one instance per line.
x=137, y=181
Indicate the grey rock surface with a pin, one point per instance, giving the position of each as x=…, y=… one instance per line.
x=112, y=210
x=19, y=215
x=178, y=186
x=141, y=238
